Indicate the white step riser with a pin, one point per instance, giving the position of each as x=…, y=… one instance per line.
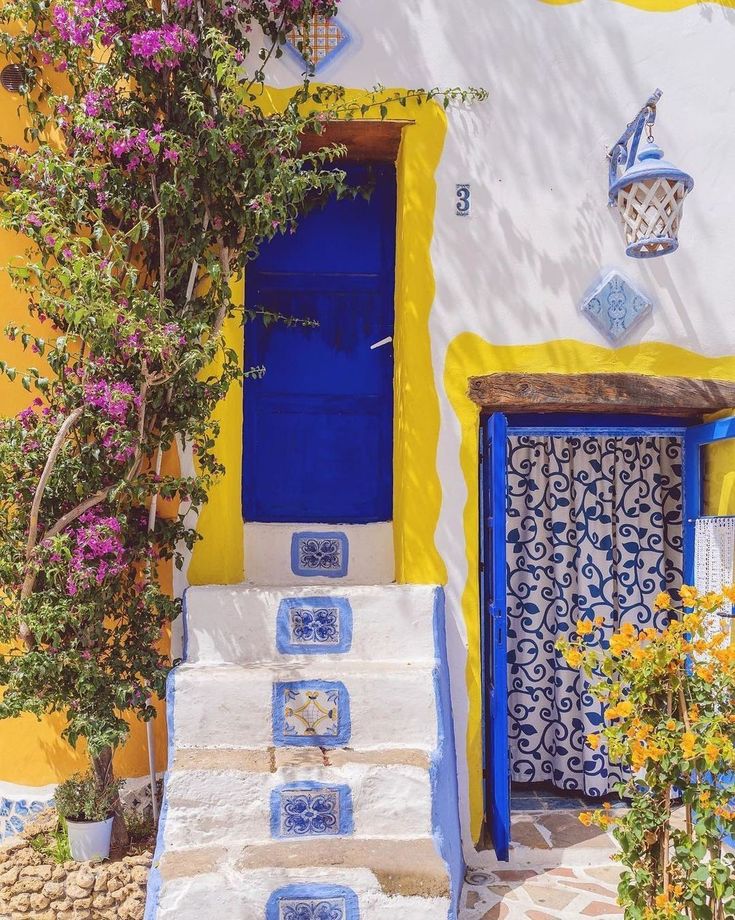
x=230, y=707
x=238, y=625
x=244, y=897
x=231, y=808
x=269, y=554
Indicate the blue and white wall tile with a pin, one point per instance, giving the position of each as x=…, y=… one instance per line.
x=313, y=902
x=311, y=712
x=311, y=809
x=19, y=805
x=314, y=625
x=298, y=554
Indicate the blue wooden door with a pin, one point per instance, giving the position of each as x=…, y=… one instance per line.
x=494, y=615
x=319, y=426
x=696, y=438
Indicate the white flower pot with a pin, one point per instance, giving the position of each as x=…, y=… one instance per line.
x=89, y=839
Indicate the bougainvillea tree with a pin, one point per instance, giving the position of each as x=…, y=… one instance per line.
x=669, y=707
x=154, y=168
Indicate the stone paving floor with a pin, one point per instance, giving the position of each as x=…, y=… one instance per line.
x=558, y=870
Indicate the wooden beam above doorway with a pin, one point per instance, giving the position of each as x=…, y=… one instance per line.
x=367, y=140
x=613, y=393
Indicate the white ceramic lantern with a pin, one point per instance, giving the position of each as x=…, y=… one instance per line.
x=650, y=198
x=647, y=190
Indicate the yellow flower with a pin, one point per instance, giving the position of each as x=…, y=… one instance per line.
x=671, y=725
x=706, y=673
x=662, y=900
x=574, y=657
x=713, y=600
x=688, y=740
x=625, y=708
x=711, y=753
x=619, y=644
x=663, y=601
x=585, y=627
x=729, y=592
x=694, y=713
x=586, y=818
x=593, y=741
x=689, y=595
x=692, y=622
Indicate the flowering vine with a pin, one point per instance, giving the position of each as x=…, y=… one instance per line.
x=669, y=708
x=153, y=169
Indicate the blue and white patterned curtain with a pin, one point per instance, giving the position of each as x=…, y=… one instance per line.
x=594, y=528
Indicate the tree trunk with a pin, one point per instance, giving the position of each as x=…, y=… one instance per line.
x=102, y=766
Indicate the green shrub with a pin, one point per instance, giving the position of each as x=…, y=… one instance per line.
x=82, y=799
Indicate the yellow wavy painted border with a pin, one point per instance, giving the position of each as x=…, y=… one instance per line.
x=653, y=6
x=218, y=558
x=470, y=355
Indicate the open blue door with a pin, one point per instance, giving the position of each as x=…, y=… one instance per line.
x=695, y=440
x=494, y=630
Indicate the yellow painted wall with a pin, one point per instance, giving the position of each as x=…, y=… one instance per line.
x=218, y=557
x=469, y=355
x=30, y=751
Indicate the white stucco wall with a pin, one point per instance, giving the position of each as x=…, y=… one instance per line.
x=563, y=80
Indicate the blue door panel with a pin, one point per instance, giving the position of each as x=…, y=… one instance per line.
x=319, y=426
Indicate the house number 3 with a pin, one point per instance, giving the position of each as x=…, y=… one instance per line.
x=463, y=200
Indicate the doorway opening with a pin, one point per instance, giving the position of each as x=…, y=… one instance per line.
x=583, y=515
x=317, y=482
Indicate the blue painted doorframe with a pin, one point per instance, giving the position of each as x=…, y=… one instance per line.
x=494, y=616
x=318, y=432
x=696, y=439
x=494, y=431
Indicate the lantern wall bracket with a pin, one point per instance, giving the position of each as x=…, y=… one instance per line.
x=620, y=155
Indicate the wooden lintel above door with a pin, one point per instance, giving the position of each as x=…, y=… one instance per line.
x=366, y=139
x=613, y=393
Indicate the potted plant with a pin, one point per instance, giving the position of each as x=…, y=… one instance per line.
x=89, y=810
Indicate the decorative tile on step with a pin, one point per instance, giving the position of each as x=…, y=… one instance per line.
x=311, y=809
x=311, y=712
x=314, y=625
x=312, y=902
x=319, y=553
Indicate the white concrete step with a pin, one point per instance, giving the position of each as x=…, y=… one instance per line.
x=382, y=880
x=376, y=705
x=231, y=807
x=243, y=625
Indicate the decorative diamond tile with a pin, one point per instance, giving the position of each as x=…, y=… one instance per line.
x=313, y=902
x=314, y=625
x=310, y=809
x=319, y=553
x=322, y=40
x=315, y=713
x=615, y=307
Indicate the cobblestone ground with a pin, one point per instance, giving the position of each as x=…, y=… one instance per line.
x=558, y=870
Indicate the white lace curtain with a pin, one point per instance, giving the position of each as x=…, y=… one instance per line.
x=594, y=528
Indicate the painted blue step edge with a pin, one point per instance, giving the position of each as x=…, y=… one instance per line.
x=443, y=766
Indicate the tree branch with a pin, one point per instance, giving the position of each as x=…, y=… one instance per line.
x=68, y=424
x=161, y=246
